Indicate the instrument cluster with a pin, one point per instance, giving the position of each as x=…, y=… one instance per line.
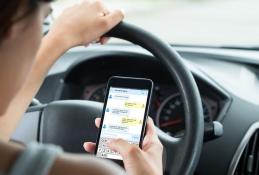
x=166, y=108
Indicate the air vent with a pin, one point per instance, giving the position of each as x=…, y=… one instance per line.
x=249, y=161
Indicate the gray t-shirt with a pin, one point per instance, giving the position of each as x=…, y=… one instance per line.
x=37, y=159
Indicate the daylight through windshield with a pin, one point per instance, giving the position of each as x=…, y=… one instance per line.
x=192, y=22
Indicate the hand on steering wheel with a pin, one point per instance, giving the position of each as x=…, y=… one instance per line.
x=84, y=23
x=147, y=160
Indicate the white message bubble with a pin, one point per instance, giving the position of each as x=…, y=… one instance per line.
x=120, y=112
x=118, y=128
x=119, y=97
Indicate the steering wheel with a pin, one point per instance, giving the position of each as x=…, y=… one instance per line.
x=70, y=123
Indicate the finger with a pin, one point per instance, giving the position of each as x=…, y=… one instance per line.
x=104, y=40
x=95, y=41
x=100, y=6
x=89, y=147
x=151, y=137
x=97, y=122
x=146, y=141
x=150, y=129
x=126, y=150
x=101, y=40
x=113, y=18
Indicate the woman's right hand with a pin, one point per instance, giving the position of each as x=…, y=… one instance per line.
x=147, y=160
x=84, y=23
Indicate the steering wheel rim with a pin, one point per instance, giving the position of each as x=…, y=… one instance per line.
x=187, y=150
x=184, y=153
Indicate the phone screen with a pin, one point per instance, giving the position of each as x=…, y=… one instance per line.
x=123, y=118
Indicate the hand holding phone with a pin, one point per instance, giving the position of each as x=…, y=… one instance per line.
x=137, y=161
x=147, y=160
x=124, y=115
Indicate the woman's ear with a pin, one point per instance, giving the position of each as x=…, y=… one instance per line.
x=14, y=32
x=10, y=34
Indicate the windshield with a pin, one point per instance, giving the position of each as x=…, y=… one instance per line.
x=191, y=22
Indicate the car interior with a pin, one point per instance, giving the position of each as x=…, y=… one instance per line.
x=205, y=102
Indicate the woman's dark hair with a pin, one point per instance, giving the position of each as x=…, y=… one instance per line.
x=8, y=12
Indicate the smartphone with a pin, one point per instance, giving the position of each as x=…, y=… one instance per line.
x=124, y=114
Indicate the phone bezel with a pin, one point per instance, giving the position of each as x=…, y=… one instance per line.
x=127, y=82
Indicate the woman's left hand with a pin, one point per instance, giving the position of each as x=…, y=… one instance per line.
x=147, y=160
x=84, y=23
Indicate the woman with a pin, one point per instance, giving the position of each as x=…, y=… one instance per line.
x=25, y=59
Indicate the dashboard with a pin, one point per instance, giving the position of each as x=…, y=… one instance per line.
x=87, y=81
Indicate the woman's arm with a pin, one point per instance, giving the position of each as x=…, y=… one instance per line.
x=78, y=25
x=67, y=164
x=47, y=54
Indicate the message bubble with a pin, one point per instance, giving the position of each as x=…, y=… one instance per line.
x=121, y=112
x=120, y=97
x=131, y=121
x=134, y=105
x=118, y=128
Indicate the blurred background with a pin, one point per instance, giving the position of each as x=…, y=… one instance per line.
x=191, y=22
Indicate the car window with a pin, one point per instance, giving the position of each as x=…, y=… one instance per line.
x=192, y=22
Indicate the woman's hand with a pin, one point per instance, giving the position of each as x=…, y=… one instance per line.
x=84, y=23
x=147, y=160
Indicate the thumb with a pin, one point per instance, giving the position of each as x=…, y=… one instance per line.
x=126, y=150
x=114, y=17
